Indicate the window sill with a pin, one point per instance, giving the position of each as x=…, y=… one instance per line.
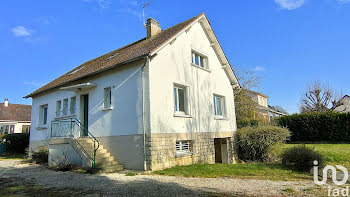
x=219, y=118
x=107, y=109
x=184, y=154
x=205, y=69
x=41, y=128
x=182, y=115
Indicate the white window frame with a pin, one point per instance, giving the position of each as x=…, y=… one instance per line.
x=177, y=111
x=183, y=147
x=223, y=106
x=73, y=105
x=43, y=116
x=58, y=108
x=203, y=65
x=107, y=102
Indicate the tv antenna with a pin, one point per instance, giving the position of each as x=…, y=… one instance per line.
x=143, y=12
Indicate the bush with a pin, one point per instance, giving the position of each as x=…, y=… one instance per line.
x=301, y=158
x=255, y=143
x=41, y=156
x=16, y=143
x=316, y=126
x=247, y=123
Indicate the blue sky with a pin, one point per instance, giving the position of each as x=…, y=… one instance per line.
x=289, y=42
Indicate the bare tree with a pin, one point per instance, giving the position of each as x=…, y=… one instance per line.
x=317, y=98
x=244, y=105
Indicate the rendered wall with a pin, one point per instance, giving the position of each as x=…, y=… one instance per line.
x=172, y=65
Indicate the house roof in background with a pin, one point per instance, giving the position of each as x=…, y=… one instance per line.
x=15, y=112
x=257, y=93
x=117, y=57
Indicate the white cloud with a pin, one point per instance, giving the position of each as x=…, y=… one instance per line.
x=291, y=4
x=130, y=11
x=21, y=31
x=259, y=68
x=343, y=1
x=34, y=83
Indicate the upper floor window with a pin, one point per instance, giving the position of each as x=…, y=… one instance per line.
x=180, y=99
x=72, y=105
x=65, y=107
x=199, y=59
x=43, y=115
x=107, y=100
x=219, y=105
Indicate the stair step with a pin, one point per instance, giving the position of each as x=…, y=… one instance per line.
x=106, y=164
x=104, y=159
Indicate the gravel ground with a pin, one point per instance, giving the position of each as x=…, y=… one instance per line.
x=117, y=184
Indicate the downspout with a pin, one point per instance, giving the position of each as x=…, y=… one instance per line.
x=143, y=113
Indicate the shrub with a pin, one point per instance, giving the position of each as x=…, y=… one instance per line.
x=247, y=123
x=316, y=126
x=16, y=143
x=301, y=158
x=41, y=156
x=255, y=143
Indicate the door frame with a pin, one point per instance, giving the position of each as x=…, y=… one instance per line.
x=84, y=117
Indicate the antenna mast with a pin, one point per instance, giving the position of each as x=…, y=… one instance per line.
x=143, y=12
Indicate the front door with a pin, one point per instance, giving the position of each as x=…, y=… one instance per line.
x=85, y=114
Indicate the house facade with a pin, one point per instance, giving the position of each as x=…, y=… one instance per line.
x=14, y=118
x=264, y=111
x=165, y=100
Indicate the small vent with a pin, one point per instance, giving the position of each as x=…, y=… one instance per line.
x=112, y=56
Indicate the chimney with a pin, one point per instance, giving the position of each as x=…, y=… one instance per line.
x=153, y=27
x=6, y=102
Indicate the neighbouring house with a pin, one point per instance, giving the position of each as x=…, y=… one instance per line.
x=343, y=105
x=264, y=111
x=14, y=118
x=164, y=100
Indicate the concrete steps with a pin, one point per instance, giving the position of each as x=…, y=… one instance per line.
x=105, y=162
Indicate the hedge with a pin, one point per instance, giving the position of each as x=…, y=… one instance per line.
x=15, y=143
x=316, y=126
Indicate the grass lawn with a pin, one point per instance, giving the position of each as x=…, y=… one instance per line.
x=335, y=154
x=11, y=156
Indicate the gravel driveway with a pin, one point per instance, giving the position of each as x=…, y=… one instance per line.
x=116, y=184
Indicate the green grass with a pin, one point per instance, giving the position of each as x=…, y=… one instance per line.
x=11, y=156
x=334, y=154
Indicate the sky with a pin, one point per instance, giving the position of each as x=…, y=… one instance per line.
x=290, y=43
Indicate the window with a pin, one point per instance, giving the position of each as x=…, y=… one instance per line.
x=219, y=105
x=180, y=99
x=43, y=115
x=65, y=107
x=72, y=105
x=107, y=101
x=58, y=108
x=199, y=59
x=183, y=147
x=25, y=128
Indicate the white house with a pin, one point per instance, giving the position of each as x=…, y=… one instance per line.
x=165, y=100
x=343, y=105
x=14, y=118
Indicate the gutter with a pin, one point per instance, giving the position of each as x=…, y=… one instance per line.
x=143, y=112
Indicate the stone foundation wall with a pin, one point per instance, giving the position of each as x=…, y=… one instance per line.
x=161, y=149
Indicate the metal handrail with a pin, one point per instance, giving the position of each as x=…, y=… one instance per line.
x=70, y=133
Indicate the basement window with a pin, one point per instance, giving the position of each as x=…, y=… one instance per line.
x=183, y=148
